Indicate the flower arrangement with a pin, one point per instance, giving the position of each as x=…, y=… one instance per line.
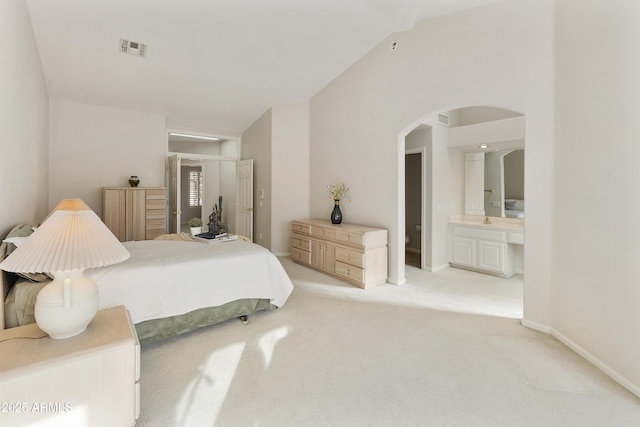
x=337, y=192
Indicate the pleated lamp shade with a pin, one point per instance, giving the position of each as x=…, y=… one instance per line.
x=72, y=237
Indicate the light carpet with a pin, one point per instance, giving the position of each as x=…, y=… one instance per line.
x=335, y=355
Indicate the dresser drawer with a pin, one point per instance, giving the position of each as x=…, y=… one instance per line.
x=515, y=237
x=300, y=255
x=158, y=214
x=301, y=228
x=351, y=257
x=303, y=244
x=156, y=199
x=350, y=271
x=475, y=233
x=355, y=238
x=153, y=224
x=327, y=233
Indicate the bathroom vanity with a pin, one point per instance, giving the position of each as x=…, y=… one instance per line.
x=494, y=247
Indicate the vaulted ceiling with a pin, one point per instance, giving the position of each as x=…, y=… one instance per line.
x=212, y=64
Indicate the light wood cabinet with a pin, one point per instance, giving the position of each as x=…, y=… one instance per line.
x=89, y=379
x=135, y=213
x=356, y=254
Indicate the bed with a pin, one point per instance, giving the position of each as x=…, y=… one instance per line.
x=514, y=208
x=172, y=285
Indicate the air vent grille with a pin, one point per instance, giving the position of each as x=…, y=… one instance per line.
x=133, y=48
x=443, y=119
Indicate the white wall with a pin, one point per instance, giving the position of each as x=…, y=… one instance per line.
x=440, y=197
x=290, y=171
x=499, y=55
x=596, y=207
x=92, y=147
x=23, y=121
x=278, y=142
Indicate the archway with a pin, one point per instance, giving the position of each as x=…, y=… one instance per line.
x=453, y=132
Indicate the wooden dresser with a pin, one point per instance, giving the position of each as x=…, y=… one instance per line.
x=91, y=379
x=356, y=254
x=133, y=213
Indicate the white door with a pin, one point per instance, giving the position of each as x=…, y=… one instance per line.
x=174, y=193
x=244, y=198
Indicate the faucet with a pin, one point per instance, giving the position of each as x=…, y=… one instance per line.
x=486, y=220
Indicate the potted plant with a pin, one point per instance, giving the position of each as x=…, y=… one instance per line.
x=195, y=224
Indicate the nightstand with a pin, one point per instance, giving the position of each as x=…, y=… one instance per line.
x=91, y=379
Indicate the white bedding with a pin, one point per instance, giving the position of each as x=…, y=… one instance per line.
x=514, y=213
x=165, y=278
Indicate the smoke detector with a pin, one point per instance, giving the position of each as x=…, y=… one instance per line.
x=133, y=48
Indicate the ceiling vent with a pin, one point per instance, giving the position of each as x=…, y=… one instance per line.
x=133, y=48
x=443, y=119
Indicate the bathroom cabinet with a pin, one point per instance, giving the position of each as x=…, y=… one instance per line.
x=485, y=248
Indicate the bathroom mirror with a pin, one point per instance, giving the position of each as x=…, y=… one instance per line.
x=494, y=183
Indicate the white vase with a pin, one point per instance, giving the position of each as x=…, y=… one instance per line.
x=195, y=230
x=65, y=306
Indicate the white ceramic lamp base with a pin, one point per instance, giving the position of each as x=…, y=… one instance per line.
x=66, y=306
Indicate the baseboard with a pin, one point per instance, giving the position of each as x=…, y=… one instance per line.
x=397, y=282
x=438, y=268
x=610, y=372
x=536, y=326
x=282, y=254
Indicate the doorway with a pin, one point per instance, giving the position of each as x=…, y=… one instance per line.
x=413, y=207
x=443, y=196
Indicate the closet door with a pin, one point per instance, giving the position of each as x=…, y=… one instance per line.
x=135, y=211
x=114, y=202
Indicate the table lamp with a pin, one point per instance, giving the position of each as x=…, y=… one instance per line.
x=71, y=239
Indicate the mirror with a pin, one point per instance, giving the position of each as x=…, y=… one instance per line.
x=207, y=171
x=493, y=140
x=494, y=183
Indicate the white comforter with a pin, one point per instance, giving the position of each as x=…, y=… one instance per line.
x=167, y=278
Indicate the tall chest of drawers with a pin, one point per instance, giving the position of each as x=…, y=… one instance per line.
x=136, y=213
x=356, y=254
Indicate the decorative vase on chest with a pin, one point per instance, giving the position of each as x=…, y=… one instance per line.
x=336, y=214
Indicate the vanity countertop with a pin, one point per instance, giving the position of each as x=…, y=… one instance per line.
x=476, y=221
